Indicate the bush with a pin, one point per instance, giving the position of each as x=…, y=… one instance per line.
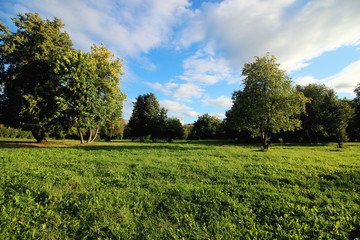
x=8, y=132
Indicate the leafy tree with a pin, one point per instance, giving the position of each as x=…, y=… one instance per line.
x=32, y=95
x=147, y=117
x=113, y=131
x=206, y=127
x=107, y=78
x=173, y=129
x=158, y=129
x=326, y=115
x=91, y=82
x=317, y=110
x=268, y=103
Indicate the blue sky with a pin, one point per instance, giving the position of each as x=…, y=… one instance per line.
x=191, y=53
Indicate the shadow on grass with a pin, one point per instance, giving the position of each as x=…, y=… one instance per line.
x=160, y=145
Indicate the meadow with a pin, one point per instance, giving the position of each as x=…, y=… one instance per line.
x=180, y=190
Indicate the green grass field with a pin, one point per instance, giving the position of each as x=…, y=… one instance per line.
x=181, y=190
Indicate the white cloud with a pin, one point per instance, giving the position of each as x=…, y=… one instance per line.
x=187, y=90
x=346, y=80
x=128, y=107
x=130, y=27
x=204, y=68
x=306, y=80
x=167, y=88
x=342, y=82
x=178, y=110
x=181, y=92
x=220, y=102
x=294, y=31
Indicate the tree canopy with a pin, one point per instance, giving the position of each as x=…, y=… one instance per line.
x=91, y=81
x=32, y=96
x=206, y=127
x=268, y=103
x=49, y=86
x=326, y=115
x=147, y=117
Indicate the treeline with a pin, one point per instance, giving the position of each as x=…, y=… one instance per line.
x=326, y=119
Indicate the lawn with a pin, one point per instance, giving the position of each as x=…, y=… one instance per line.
x=180, y=190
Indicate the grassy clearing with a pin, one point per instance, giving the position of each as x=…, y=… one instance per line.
x=181, y=190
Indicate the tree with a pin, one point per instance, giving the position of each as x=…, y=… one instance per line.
x=91, y=83
x=206, y=127
x=31, y=95
x=147, y=117
x=338, y=120
x=326, y=115
x=173, y=129
x=158, y=129
x=268, y=103
x=317, y=110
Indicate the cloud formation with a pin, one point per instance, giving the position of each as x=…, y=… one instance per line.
x=220, y=102
x=180, y=92
x=129, y=27
x=178, y=110
x=293, y=32
x=205, y=68
x=343, y=82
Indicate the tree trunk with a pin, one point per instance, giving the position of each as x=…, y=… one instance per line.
x=108, y=138
x=39, y=135
x=265, y=141
x=90, y=135
x=81, y=136
x=308, y=135
x=96, y=133
x=340, y=144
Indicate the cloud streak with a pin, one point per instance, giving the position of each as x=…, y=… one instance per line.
x=342, y=82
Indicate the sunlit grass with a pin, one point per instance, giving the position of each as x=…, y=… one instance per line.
x=186, y=189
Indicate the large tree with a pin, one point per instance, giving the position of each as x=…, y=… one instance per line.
x=268, y=103
x=147, y=117
x=32, y=96
x=317, y=111
x=91, y=82
x=326, y=115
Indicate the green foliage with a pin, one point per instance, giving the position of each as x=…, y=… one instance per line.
x=268, y=103
x=354, y=125
x=206, y=127
x=183, y=190
x=173, y=129
x=32, y=96
x=326, y=115
x=91, y=82
x=8, y=132
x=147, y=117
x=49, y=87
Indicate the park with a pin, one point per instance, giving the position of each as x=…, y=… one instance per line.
x=72, y=168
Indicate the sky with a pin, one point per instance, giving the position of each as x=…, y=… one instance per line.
x=191, y=53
